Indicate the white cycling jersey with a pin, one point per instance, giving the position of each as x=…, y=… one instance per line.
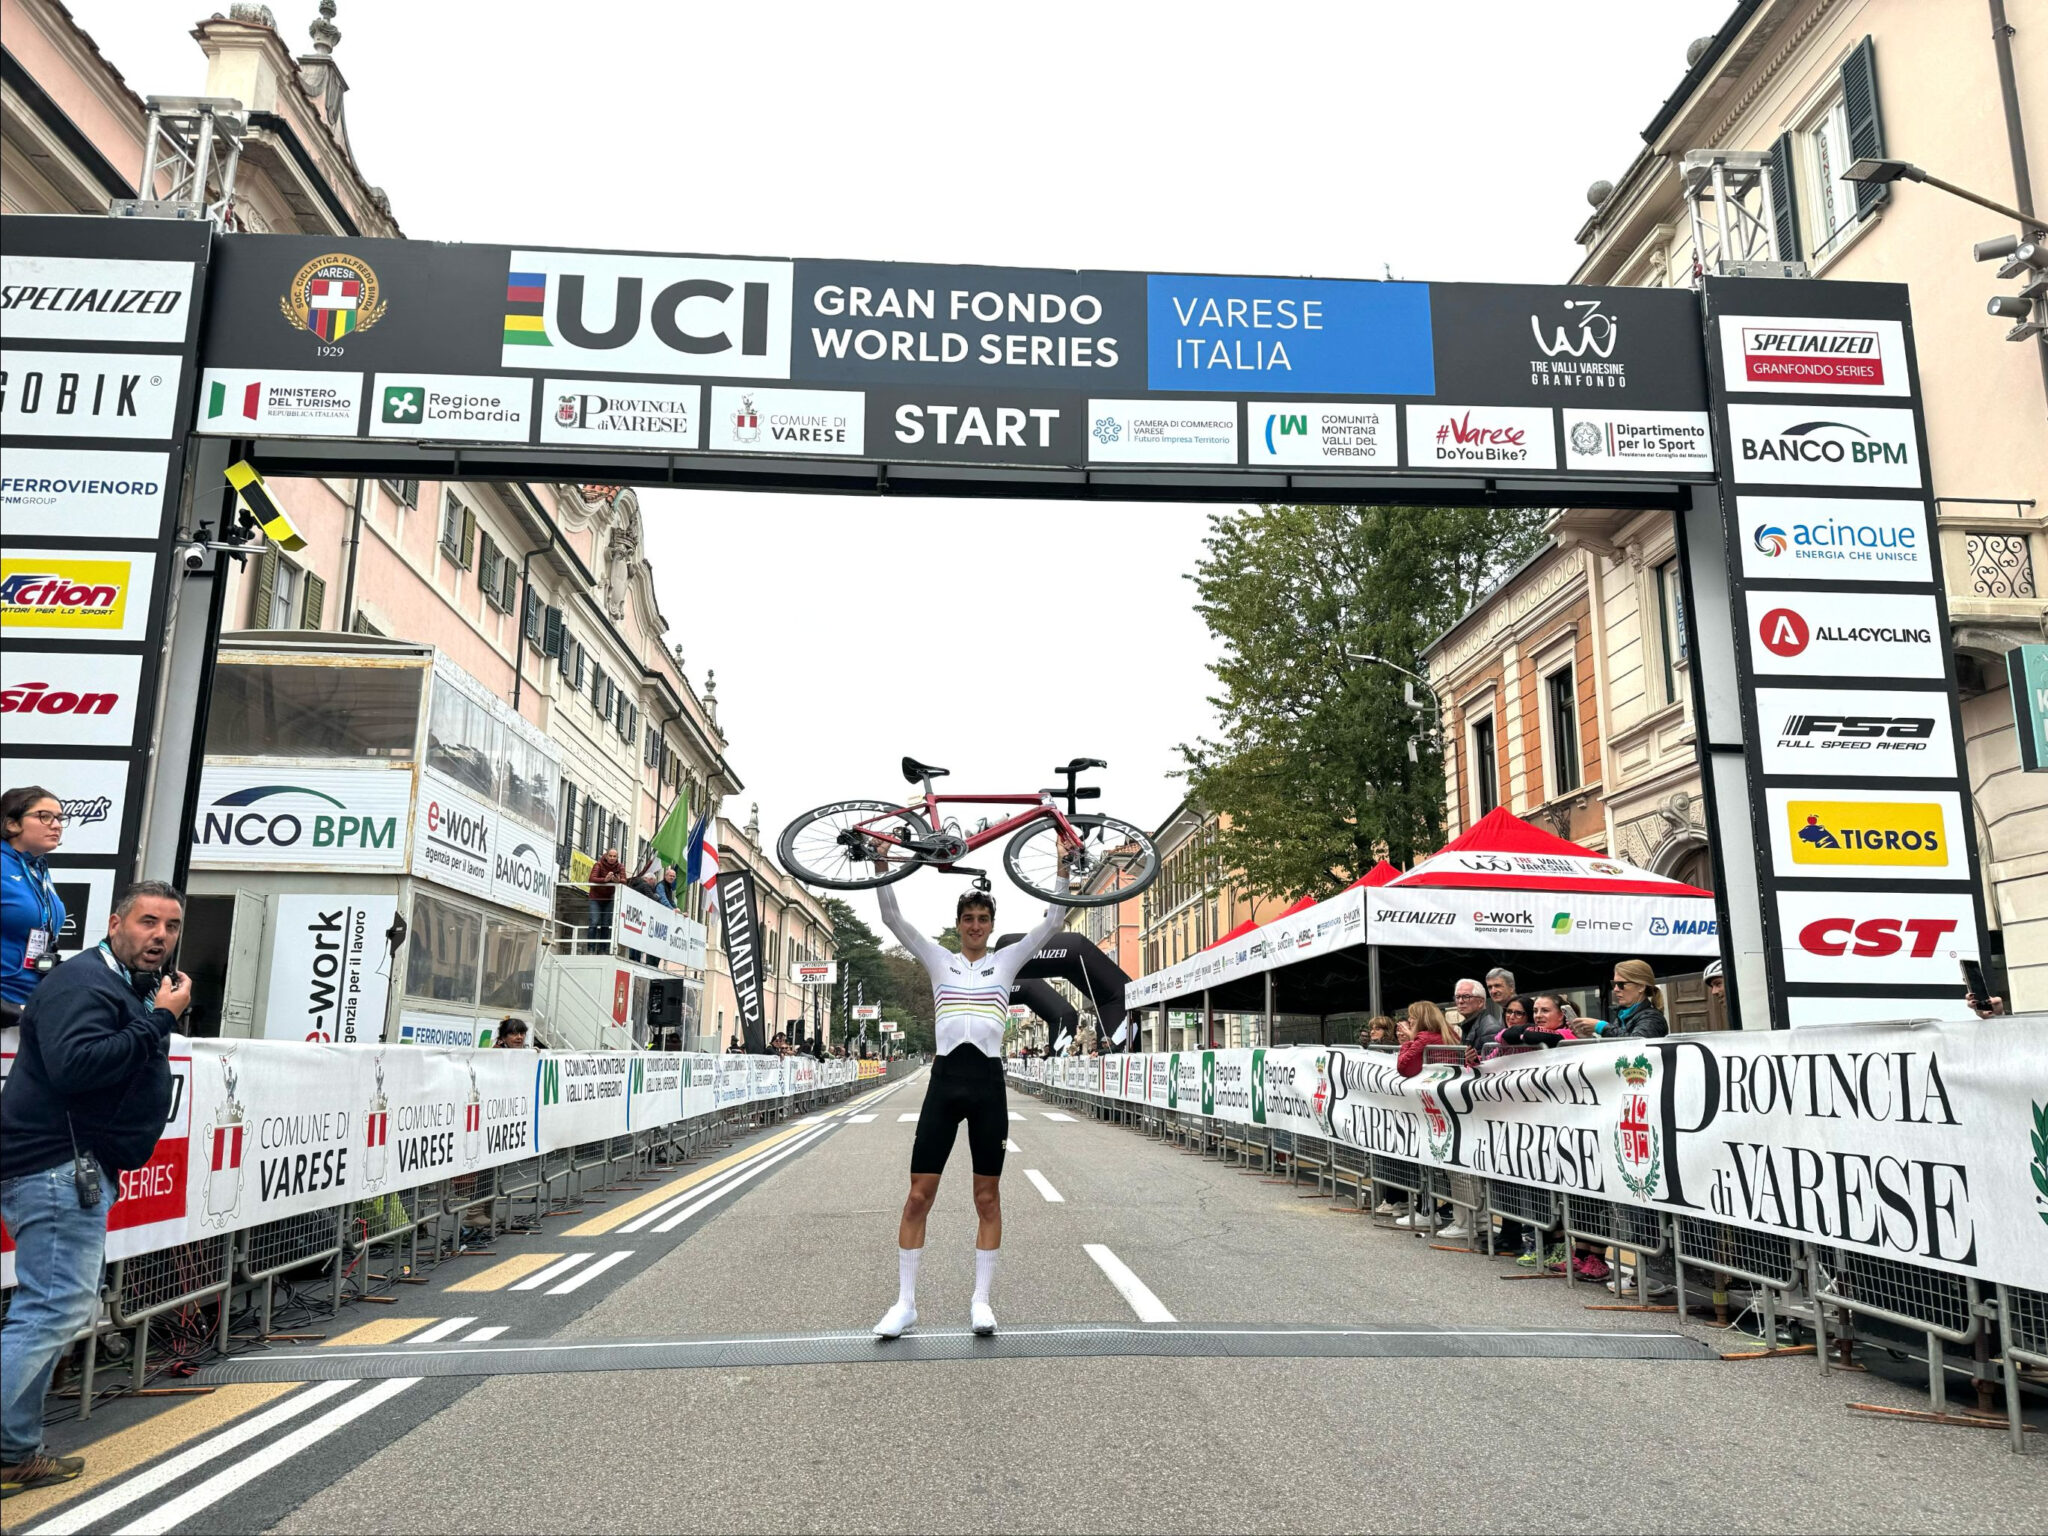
x=970, y=999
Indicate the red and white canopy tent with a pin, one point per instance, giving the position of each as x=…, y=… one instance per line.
x=1503, y=893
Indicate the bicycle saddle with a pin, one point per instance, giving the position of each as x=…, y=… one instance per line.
x=1082, y=765
x=916, y=772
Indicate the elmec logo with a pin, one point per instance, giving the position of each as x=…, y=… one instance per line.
x=42, y=593
x=648, y=314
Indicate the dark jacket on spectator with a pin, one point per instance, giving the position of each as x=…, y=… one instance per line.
x=1529, y=1034
x=1483, y=1027
x=1409, y=1062
x=92, y=1049
x=604, y=874
x=1644, y=1020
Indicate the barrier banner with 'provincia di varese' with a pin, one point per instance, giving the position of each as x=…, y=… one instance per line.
x=261, y=1129
x=1923, y=1143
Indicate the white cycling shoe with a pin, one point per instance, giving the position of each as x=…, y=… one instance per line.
x=983, y=1317
x=898, y=1319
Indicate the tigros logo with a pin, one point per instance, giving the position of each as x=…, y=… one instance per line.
x=289, y=816
x=1887, y=832
x=64, y=594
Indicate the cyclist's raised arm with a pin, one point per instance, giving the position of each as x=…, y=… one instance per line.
x=929, y=954
x=1012, y=957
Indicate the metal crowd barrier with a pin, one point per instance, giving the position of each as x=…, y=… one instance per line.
x=2023, y=1340
x=1942, y=1306
x=1766, y=1260
x=1614, y=1226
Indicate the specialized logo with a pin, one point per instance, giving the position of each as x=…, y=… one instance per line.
x=333, y=297
x=64, y=594
x=1879, y=832
x=1874, y=938
x=1593, y=336
x=1769, y=541
x=1784, y=633
x=1835, y=357
x=1638, y=1152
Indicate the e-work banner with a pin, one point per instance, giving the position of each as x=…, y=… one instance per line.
x=1915, y=1142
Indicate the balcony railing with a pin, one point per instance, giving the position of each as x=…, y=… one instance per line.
x=2001, y=565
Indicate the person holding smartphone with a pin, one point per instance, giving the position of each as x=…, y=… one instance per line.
x=85, y=1103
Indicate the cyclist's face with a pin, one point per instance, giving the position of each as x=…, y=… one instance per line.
x=975, y=925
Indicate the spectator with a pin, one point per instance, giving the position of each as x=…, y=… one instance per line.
x=665, y=887
x=735, y=1049
x=1638, y=1004
x=1549, y=1022
x=1500, y=986
x=31, y=911
x=511, y=1034
x=1481, y=1018
x=1422, y=1026
x=1378, y=1034
x=1717, y=983
x=85, y=1103
x=1989, y=1008
x=606, y=873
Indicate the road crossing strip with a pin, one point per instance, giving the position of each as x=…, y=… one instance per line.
x=1040, y=1183
x=1150, y=1308
x=1053, y=1114
x=860, y=1119
x=584, y=1277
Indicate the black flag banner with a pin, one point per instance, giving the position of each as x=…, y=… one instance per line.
x=743, y=950
x=1072, y=957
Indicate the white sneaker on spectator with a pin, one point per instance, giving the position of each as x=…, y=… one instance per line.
x=1385, y=1208
x=1456, y=1229
x=1414, y=1219
x=983, y=1318
x=896, y=1320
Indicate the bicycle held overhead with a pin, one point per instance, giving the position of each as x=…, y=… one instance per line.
x=852, y=845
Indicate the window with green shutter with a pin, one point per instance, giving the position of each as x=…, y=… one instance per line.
x=1865, y=126
x=316, y=602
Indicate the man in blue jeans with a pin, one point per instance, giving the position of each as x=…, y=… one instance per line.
x=86, y=1102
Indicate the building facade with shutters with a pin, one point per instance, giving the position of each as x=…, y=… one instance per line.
x=1814, y=85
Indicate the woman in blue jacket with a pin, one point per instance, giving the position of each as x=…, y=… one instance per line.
x=31, y=911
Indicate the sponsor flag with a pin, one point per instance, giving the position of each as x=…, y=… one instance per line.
x=672, y=843
x=743, y=952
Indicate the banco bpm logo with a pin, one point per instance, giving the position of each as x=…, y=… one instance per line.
x=291, y=817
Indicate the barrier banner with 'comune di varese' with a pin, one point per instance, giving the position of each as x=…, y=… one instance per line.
x=264, y=1129
x=1923, y=1143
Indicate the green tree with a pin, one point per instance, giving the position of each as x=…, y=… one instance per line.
x=1311, y=768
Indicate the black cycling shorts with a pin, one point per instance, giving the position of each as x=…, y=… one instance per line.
x=965, y=1085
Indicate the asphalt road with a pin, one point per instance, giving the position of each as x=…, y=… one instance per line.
x=1165, y=1443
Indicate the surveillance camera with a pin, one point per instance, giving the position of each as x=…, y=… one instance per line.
x=193, y=557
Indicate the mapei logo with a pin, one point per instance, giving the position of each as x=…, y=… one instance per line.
x=648, y=314
x=279, y=816
x=1666, y=927
x=1881, y=832
x=64, y=594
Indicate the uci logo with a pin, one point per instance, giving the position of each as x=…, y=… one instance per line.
x=648, y=314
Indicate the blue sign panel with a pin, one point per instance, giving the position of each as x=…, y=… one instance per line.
x=1288, y=336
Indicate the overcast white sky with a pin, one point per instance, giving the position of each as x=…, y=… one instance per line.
x=1442, y=141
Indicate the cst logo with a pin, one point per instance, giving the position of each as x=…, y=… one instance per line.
x=1875, y=938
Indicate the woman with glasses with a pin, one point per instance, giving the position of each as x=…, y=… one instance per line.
x=31, y=911
x=1638, y=1004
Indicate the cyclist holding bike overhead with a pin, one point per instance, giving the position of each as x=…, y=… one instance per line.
x=971, y=1001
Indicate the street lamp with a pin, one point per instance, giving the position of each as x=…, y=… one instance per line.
x=1408, y=694
x=1883, y=172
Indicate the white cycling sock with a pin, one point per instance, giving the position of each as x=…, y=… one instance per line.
x=906, y=1275
x=984, y=1272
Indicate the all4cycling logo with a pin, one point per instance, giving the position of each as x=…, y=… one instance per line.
x=1839, y=634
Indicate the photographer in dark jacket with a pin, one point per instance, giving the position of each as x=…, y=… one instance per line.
x=85, y=1103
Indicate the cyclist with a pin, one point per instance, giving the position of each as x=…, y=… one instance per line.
x=971, y=1003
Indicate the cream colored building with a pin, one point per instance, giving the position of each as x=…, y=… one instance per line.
x=1797, y=79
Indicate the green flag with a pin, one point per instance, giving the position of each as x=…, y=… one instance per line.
x=671, y=844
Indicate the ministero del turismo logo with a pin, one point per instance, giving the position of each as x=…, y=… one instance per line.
x=40, y=593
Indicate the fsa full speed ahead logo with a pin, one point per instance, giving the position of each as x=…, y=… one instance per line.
x=1638, y=1152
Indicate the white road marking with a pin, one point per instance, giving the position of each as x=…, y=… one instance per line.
x=1053, y=1114
x=1015, y=1116
x=1040, y=1183
x=723, y=1181
x=1011, y=1146
x=554, y=1271
x=759, y=1165
x=904, y=1119
x=1133, y=1290
x=168, y=1516
x=143, y=1484
x=860, y=1119
x=585, y=1276
x=483, y=1334
x=441, y=1330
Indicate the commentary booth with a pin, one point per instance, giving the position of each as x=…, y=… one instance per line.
x=1504, y=893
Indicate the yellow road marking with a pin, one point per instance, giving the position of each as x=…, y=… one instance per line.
x=380, y=1330
x=505, y=1271
x=125, y=1450
x=640, y=1205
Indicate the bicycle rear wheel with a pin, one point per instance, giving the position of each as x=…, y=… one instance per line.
x=1114, y=856
x=839, y=845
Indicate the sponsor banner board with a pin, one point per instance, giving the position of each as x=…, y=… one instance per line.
x=87, y=596
x=1876, y=1008
x=472, y=845
x=976, y=427
x=1827, y=445
x=277, y=817
x=110, y=493
x=1897, y=1142
x=1835, y=539
x=1526, y=344
x=641, y=923
x=279, y=402
x=1550, y=920
x=437, y=407
x=1836, y=634
x=1877, y=938
x=1310, y=336
x=1867, y=834
x=1855, y=733
x=2026, y=668
x=94, y=793
x=654, y=1088
x=1309, y=432
x=799, y=422
x=445, y=1029
x=89, y=394
x=68, y=698
x=618, y=413
x=88, y=897
x=1162, y=432
x=868, y=1011
x=330, y=972
x=696, y=316
x=821, y=974
x=582, y=1096
x=1483, y=438
x=1801, y=355
x=94, y=298
x=1654, y=441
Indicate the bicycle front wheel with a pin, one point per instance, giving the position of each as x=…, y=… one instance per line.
x=1114, y=862
x=852, y=845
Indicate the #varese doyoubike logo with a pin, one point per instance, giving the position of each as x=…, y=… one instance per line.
x=1638, y=1153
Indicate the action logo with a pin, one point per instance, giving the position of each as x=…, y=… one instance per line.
x=332, y=297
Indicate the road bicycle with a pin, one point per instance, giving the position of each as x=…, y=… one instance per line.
x=856, y=845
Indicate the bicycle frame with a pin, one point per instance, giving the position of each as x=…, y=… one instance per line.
x=1041, y=806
